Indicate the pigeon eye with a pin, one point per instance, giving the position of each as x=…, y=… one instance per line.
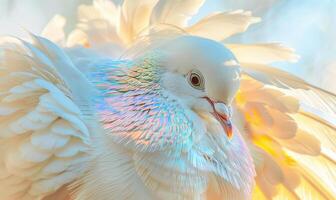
x=195, y=79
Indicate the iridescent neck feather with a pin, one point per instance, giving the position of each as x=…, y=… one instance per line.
x=136, y=111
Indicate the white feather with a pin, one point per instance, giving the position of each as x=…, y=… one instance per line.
x=175, y=12
x=46, y=140
x=41, y=120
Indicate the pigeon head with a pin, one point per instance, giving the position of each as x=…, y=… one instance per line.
x=203, y=73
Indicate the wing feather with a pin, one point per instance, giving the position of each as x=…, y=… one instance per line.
x=222, y=25
x=135, y=17
x=44, y=139
x=263, y=53
x=175, y=12
x=297, y=142
x=54, y=30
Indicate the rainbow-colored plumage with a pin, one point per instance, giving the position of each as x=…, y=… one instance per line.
x=78, y=124
x=136, y=110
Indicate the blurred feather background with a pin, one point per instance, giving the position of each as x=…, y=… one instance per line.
x=308, y=26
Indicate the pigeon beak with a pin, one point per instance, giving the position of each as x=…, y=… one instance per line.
x=223, y=115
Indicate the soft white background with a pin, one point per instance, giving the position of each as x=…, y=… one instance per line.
x=309, y=26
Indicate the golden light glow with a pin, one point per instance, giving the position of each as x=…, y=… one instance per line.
x=240, y=99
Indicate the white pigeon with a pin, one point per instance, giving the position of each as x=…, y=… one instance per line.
x=137, y=104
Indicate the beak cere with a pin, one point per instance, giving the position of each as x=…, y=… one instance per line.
x=222, y=113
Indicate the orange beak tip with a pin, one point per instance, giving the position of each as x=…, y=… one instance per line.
x=229, y=130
